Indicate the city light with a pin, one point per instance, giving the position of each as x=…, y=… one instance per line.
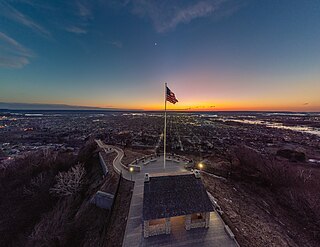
x=200, y=166
x=212, y=106
x=131, y=171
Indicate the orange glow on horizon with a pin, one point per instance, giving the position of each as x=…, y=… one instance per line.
x=222, y=106
x=194, y=106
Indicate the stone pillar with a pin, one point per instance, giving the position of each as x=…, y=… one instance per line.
x=188, y=222
x=146, y=228
x=168, y=226
x=207, y=218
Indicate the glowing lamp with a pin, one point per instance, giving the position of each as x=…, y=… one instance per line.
x=200, y=165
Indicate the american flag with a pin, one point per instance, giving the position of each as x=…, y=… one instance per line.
x=171, y=97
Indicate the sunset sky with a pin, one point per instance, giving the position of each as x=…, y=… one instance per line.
x=214, y=54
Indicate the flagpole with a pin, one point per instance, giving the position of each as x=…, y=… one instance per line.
x=165, y=126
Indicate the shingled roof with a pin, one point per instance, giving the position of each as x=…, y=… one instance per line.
x=169, y=196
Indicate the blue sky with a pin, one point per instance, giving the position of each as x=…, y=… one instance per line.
x=233, y=54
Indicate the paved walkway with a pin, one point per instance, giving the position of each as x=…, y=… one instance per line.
x=117, y=162
x=213, y=236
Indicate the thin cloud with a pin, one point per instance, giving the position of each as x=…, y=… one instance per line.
x=79, y=13
x=9, y=12
x=84, y=10
x=82, y=13
x=14, y=54
x=76, y=30
x=43, y=5
x=167, y=15
x=117, y=44
x=13, y=62
x=185, y=15
x=13, y=46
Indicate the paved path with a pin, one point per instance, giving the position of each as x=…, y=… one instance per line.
x=133, y=235
x=213, y=236
x=117, y=162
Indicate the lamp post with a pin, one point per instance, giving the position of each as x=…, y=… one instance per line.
x=131, y=171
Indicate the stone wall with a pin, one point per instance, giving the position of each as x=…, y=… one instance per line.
x=153, y=230
x=146, y=229
x=188, y=222
x=103, y=164
x=197, y=223
x=165, y=228
x=157, y=229
x=207, y=217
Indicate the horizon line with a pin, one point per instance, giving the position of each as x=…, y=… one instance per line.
x=6, y=106
x=158, y=111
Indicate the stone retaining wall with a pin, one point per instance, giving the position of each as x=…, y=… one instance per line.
x=197, y=223
x=152, y=157
x=158, y=229
x=103, y=164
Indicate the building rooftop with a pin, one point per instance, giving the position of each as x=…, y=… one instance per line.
x=170, y=196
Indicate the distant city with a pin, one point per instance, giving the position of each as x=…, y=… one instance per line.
x=24, y=131
x=140, y=123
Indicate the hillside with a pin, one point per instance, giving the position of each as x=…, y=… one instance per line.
x=267, y=201
x=44, y=211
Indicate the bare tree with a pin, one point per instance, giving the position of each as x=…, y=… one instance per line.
x=70, y=182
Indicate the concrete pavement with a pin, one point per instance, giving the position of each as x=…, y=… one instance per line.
x=213, y=236
x=117, y=162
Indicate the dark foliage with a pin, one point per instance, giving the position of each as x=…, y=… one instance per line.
x=31, y=216
x=24, y=193
x=296, y=187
